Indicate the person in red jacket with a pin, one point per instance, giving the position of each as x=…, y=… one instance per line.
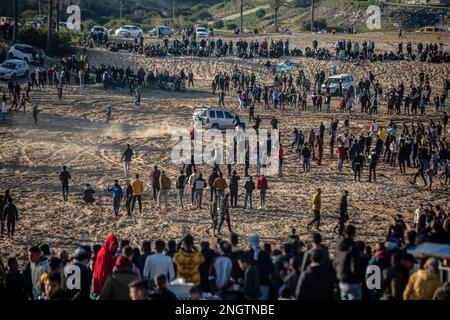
x=280, y=160
x=262, y=186
x=341, y=154
x=104, y=263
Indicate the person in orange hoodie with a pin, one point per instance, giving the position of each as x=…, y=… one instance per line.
x=138, y=190
x=220, y=184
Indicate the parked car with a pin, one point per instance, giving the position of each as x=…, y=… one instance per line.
x=217, y=118
x=201, y=32
x=13, y=69
x=96, y=30
x=162, y=30
x=129, y=31
x=26, y=53
x=333, y=83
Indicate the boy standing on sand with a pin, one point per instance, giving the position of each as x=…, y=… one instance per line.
x=64, y=177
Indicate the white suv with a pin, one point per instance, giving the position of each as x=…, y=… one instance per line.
x=201, y=32
x=161, y=30
x=348, y=83
x=216, y=118
x=13, y=69
x=129, y=31
x=26, y=53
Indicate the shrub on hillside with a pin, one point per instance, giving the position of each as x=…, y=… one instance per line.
x=219, y=24
x=61, y=43
x=231, y=26
x=319, y=24
x=203, y=15
x=261, y=13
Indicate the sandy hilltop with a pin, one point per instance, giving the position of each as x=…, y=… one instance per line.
x=74, y=133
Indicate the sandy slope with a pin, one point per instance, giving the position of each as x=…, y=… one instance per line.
x=74, y=133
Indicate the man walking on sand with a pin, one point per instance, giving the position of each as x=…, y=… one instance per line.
x=117, y=194
x=126, y=158
x=64, y=177
x=164, y=187
x=138, y=190
x=315, y=205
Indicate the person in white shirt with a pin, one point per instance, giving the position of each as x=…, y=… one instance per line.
x=191, y=182
x=417, y=214
x=159, y=263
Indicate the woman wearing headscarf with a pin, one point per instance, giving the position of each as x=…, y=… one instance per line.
x=104, y=263
x=262, y=260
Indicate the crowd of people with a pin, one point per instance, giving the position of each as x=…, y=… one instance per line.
x=230, y=270
x=344, y=50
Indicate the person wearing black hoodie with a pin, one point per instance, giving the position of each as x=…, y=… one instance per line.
x=317, y=281
x=234, y=186
x=251, y=282
x=15, y=282
x=10, y=215
x=348, y=266
x=80, y=262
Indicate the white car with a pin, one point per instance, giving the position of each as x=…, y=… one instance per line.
x=96, y=30
x=201, y=32
x=129, y=31
x=216, y=118
x=26, y=53
x=13, y=69
x=162, y=30
x=348, y=83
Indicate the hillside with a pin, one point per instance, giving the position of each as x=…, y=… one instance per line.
x=293, y=14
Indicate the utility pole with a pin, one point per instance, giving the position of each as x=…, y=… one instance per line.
x=242, y=17
x=121, y=8
x=57, y=8
x=16, y=20
x=50, y=26
x=312, y=15
x=224, y=8
x=173, y=11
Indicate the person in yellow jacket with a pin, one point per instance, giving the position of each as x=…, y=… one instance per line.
x=164, y=187
x=423, y=283
x=138, y=190
x=381, y=134
x=315, y=206
x=188, y=260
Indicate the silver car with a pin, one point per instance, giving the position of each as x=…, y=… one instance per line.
x=215, y=118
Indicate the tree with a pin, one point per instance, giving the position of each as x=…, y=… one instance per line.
x=16, y=20
x=57, y=9
x=242, y=17
x=276, y=5
x=50, y=26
